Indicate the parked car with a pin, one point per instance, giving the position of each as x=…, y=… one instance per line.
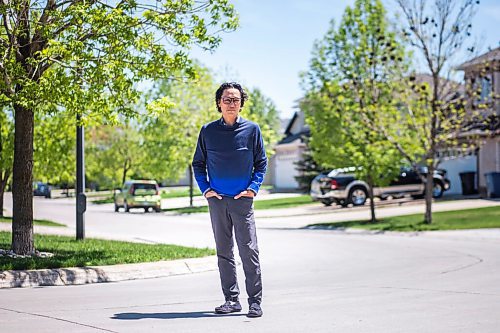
x=138, y=194
x=42, y=190
x=341, y=186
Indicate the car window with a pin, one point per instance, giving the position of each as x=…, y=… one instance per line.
x=144, y=189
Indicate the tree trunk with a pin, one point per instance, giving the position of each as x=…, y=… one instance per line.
x=429, y=185
x=4, y=177
x=22, y=182
x=126, y=166
x=372, y=203
x=1, y=199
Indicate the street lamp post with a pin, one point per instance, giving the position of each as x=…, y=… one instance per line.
x=190, y=186
x=81, y=199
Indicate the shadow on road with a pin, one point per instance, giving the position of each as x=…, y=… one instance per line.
x=171, y=315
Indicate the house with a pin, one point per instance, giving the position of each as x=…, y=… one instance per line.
x=483, y=73
x=288, y=151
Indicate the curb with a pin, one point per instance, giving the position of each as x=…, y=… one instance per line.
x=99, y=274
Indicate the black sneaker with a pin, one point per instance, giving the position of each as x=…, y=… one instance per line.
x=228, y=307
x=254, y=311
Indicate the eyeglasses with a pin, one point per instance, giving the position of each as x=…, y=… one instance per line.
x=228, y=100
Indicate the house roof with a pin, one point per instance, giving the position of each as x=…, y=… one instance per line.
x=290, y=124
x=493, y=55
x=296, y=129
x=292, y=137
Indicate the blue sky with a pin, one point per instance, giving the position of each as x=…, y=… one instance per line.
x=275, y=39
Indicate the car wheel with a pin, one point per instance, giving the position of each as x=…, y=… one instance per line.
x=437, y=190
x=126, y=207
x=157, y=209
x=327, y=202
x=358, y=195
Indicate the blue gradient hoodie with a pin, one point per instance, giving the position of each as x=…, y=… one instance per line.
x=230, y=159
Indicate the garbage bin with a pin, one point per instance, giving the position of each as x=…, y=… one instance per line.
x=468, y=180
x=493, y=184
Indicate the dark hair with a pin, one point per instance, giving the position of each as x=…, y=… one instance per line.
x=229, y=85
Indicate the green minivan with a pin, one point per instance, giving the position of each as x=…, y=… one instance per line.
x=138, y=194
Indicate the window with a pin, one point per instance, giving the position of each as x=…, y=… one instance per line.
x=485, y=89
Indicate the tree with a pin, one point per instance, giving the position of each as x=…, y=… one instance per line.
x=308, y=169
x=170, y=127
x=435, y=111
x=351, y=81
x=53, y=149
x=54, y=144
x=263, y=111
x=113, y=153
x=85, y=57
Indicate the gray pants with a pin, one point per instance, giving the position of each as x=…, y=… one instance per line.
x=227, y=214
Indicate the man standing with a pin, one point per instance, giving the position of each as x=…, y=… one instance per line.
x=230, y=151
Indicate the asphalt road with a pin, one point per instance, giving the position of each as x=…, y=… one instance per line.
x=314, y=281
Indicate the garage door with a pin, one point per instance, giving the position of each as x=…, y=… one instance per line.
x=454, y=166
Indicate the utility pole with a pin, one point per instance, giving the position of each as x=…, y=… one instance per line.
x=81, y=199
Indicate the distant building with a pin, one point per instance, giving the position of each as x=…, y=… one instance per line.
x=483, y=73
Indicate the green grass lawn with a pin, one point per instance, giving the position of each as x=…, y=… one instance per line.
x=283, y=202
x=35, y=222
x=488, y=217
x=166, y=194
x=106, y=200
x=263, y=204
x=187, y=210
x=93, y=252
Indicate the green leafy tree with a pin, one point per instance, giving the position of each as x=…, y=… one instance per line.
x=85, y=57
x=262, y=110
x=171, y=124
x=113, y=153
x=351, y=82
x=54, y=148
x=308, y=169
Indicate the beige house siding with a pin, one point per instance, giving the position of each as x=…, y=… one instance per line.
x=270, y=174
x=287, y=155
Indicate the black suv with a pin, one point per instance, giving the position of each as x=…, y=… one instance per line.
x=342, y=187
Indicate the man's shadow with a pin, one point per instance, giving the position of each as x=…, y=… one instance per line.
x=171, y=315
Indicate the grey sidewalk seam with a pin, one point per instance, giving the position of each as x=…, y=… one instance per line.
x=98, y=274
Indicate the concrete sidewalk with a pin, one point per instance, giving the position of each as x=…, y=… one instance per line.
x=98, y=274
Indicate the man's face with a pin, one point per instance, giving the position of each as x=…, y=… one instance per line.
x=230, y=103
